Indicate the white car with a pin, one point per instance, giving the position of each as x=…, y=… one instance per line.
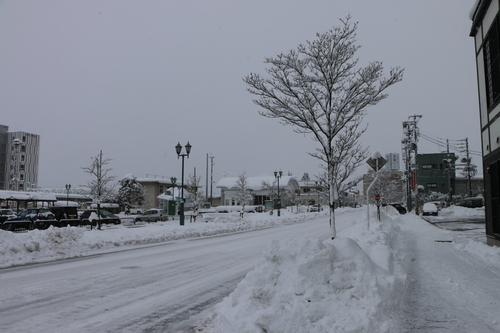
x=7, y=213
x=429, y=208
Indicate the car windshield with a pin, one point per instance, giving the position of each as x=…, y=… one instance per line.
x=6, y=212
x=105, y=213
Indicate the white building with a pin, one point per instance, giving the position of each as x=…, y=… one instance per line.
x=260, y=192
x=392, y=161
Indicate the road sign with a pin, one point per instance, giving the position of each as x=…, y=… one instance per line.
x=376, y=161
x=377, y=197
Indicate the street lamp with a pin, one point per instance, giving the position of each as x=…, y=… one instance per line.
x=178, y=150
x=317, y=191
x=277, y=175
x=68, y=187
x=173, y=180
x=17, y=161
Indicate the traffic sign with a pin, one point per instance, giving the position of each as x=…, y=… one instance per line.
x=376, y=161
x=377, y=197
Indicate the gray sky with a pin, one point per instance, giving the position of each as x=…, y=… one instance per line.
x=133, y=78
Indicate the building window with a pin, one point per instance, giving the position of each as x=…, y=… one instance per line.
x=491, y=51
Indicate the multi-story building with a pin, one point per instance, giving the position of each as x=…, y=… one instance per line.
x=4, y=184
x=19, y=156
x=392, y=161
x=485, y=29
x=23, y=151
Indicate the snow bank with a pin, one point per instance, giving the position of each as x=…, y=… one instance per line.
x=59, y=243
x=344, y=285
x=461, y=211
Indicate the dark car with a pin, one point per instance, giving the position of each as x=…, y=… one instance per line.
x=40, y=218
x=66, y=215
x=471, y=203
x=89, y=217
x=400, y=208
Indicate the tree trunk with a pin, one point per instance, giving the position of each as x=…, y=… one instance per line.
x=332, y=201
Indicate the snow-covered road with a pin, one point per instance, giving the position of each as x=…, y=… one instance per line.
x=161, y=288
x=448, y=290
x=449, y=284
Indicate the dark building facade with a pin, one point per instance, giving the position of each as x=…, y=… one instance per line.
x=486, y=32
x=436, y=172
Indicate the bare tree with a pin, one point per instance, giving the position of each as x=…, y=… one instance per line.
x=101, y=187
x=243, y=195
x=389, y=187
x=270, y=187
x=320, y=89
x=194, y=194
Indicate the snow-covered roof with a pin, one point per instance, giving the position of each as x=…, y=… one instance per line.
x=27, y=196
x=176, y=191
x=154, y=180
x=255, y=183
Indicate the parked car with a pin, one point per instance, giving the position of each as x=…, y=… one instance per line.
x=400, y=208
x=6, y=214
x=471, y=203
x=90, y=217
x=315, y=208
x=66, y=214
x=152, y=215
x=28, y=219
x=429, y=208
x=131, y=210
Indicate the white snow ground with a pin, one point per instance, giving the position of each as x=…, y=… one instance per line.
x=378, y=280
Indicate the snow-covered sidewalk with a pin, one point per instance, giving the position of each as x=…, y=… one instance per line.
x=402, y=275
x=452, y=281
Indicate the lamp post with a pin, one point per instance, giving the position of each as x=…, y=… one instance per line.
x=17, y=161
x=277, y=175
x=317, y=191
x=68, y=187
x=173, y=180
x=178, y=149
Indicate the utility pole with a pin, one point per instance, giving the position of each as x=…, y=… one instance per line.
x=211, y=178
x=206, y=180
x=409, y=142
x=468, y=167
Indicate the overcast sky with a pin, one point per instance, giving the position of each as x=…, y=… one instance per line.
x=133, y=78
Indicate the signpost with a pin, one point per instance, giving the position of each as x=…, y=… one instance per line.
x=376, y=162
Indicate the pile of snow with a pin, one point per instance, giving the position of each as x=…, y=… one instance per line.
x=461, y=211
x=59, y=243
x=341, y=285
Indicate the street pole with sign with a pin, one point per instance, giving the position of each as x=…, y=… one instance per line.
x=376, y=162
